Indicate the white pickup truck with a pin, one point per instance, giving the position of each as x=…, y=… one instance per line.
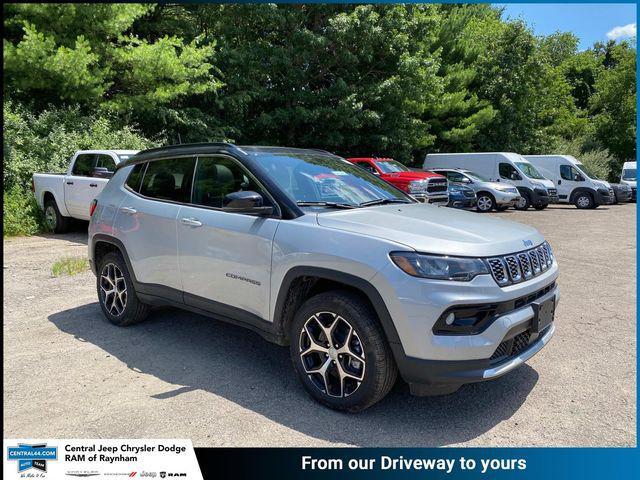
x=64, y=196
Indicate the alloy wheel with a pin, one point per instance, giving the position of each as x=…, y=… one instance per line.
x=485, y=204
x=113, y=289
x=332, y=354
x=50, y=217
x=522, y=202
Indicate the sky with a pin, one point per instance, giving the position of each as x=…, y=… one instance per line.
x=589, y=22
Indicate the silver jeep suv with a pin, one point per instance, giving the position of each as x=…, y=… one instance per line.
x=310, y=251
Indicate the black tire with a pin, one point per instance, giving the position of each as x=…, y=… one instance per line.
x=378, y=369
x=54, y=220
x=485, y=202
x=526, y=202
x=540, y=206
x=133, y=310
x=584, y=200
x=501, y=208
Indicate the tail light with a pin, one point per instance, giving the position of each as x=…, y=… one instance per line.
x=92, y=207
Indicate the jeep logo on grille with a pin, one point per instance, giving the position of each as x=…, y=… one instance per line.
x=527, y=243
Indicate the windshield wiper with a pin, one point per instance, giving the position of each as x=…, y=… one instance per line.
x=382, y=201
x=327, y=204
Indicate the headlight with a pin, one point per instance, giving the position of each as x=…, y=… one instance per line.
x=507, y=189
x=418, y=186
x=437, y=267
x=603, y=191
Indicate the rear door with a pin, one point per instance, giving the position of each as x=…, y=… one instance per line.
x=146, y=222
x=225, y=258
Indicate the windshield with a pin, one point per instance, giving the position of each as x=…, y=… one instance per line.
x=529, y=170
x=474, y=176
x=629, y=174
x=585, y=170
x=309, y=178
x=391, y=166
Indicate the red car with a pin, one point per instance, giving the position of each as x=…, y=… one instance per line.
x=423, y=186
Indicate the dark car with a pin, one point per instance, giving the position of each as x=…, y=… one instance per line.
x=622, y=193
x=461, y=196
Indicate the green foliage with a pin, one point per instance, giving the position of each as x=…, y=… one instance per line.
x=70, y=266
x=20, y=213
x=597, y=160
x=372, y=79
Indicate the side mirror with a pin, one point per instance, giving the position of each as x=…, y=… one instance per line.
x=102, y=172
x=579, y=178
x=247, y=202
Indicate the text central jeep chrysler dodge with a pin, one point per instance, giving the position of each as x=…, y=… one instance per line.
x=311, y=251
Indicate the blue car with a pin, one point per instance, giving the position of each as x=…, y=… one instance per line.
x=461, y=196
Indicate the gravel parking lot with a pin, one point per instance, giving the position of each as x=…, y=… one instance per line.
x=68, y=373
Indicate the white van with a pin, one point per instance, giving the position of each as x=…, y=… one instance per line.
x=628, y=177
x=511, y=168
x=575, y=183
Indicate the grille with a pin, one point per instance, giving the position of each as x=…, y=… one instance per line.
x=552, y=192
x=521, y=266
x=512, y=347
x=437, y=185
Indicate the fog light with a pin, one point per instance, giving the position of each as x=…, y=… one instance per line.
x=450, y=319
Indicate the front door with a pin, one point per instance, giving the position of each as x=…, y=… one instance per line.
x=225, y=258
x=569, y=179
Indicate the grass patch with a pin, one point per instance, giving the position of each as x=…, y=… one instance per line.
x=70, y=266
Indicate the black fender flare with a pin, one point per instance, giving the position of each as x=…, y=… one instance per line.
x=353, y=281
x=104, y=238
x=578, y=190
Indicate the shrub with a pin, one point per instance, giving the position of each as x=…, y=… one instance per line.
x=21, y=214
x=598, y=160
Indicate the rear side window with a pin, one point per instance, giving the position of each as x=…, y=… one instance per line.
x=105, y=161
x=135, y=177
x=84, y=165
x=169, y=179
x=217, y=177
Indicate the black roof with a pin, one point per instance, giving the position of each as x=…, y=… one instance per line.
x=209, y=148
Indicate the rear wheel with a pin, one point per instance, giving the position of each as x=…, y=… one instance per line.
x=340, y=352
x=53, y=219
x=485, y=203
x=116, y=293
x=540, y=206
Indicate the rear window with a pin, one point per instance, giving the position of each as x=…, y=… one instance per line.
x=169, y=179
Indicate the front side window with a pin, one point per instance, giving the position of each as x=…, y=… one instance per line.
x=567, y=172
x=391, y=166
x=84, y=165
x=507, y=171
x=311, y=177
x=529, y=170
x=456, y=177
x=169, y=179
x=217, y=177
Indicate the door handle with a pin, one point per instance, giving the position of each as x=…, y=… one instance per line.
x=559, y=182
x=128, y=210
x=93, y=184
x=69, y=183
x=191, y=222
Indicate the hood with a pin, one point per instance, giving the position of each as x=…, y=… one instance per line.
x=602, y=183
x=543, y=183
x=432, y=229
x=495, y=185
x=410, y=176
x=631, y=183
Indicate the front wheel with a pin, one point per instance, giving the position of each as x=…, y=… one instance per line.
x=340, y=352
x=540, y=206
x=583, y=201
x=485, y=203
x=524, y=202
x=116, y=293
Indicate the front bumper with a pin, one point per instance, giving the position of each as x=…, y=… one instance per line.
x=602, y=199
x=430, y=361
x=504, y=199
x=461, y=201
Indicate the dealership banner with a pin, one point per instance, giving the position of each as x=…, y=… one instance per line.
x=95, y=458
